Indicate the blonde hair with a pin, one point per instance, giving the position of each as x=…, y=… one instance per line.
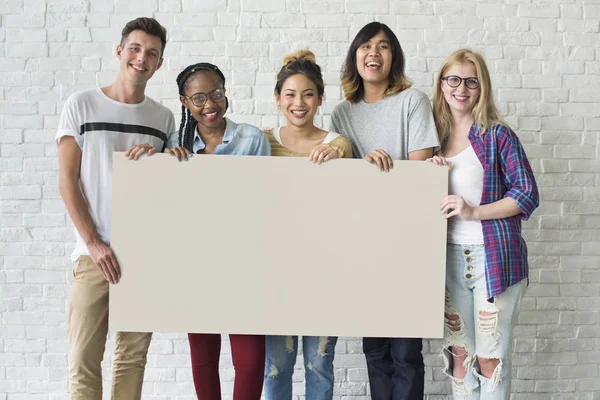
x=301, y=62
x=484, y=112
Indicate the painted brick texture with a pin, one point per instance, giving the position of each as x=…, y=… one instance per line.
x=544, y=59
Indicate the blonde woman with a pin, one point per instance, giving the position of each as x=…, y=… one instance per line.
x=492, y=188
x=299, y=93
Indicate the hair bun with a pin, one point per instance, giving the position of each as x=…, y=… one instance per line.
x=300, y=55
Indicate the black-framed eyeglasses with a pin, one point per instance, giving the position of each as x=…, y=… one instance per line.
x=454, y=81
x=199, y=99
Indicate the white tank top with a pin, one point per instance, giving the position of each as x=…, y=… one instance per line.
x=466, y=180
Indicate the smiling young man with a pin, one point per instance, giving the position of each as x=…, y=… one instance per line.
x=94, y=124
x=386, y=120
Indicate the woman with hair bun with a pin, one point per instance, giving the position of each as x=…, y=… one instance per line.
x=299, y=93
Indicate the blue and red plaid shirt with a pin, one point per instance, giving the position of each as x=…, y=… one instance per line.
x=506, y=173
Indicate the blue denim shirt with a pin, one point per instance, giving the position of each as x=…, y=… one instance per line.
x=239, y=139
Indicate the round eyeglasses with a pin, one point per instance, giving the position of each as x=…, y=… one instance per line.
x=454, y=81
x=199, y=99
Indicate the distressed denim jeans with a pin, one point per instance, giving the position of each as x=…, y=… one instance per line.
x=318, y=353
x=481, y=328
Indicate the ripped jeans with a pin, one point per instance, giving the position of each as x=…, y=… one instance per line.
x=477, y=328
x=318, y=354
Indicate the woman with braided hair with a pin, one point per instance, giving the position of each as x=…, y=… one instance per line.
x=299, y=93
x=205, y=130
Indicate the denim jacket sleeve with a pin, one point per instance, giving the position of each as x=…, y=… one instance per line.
x=263, y=147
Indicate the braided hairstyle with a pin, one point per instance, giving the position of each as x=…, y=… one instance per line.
x=188, y=122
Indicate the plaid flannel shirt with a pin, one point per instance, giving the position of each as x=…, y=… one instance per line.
x=506, y=173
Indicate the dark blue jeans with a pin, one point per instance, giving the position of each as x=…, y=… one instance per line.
x=396, y=369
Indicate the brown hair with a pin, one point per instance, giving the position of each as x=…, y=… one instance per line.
x=148, y=25
x=484, y=112
x=301, y=62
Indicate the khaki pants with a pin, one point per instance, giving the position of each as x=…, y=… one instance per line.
x=88, y=327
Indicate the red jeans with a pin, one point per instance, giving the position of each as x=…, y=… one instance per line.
x=248, y=355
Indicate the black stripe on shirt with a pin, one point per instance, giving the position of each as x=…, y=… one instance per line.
x=126, y=128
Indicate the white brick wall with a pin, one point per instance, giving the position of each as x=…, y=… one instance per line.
x=545, y=62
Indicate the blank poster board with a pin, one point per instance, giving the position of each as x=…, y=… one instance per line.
x=277, y=245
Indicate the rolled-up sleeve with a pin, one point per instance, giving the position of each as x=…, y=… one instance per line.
x=518, y=175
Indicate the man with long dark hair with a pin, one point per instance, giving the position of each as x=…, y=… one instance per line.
x=386, y=120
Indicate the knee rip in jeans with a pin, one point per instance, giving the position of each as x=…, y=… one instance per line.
x=460, y=389
x=447, y=355
x=321, y=350
x=454, y=324
x=289, y=344
x=491, y=383
x=455, y=333
x=289, y=348
x=273, y=372
x=488, y=324
x=456, y=347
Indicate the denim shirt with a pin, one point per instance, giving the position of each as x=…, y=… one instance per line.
x=239, y=139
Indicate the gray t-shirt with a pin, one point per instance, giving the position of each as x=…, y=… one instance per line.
x=398, y=124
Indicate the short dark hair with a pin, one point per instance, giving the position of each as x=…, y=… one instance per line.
x=148, y=25
x=301, y=62
x=352, y=82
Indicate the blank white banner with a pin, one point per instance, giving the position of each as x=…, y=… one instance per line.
x=277, y=245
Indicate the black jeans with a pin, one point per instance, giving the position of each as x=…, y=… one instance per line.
x=396, y=369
